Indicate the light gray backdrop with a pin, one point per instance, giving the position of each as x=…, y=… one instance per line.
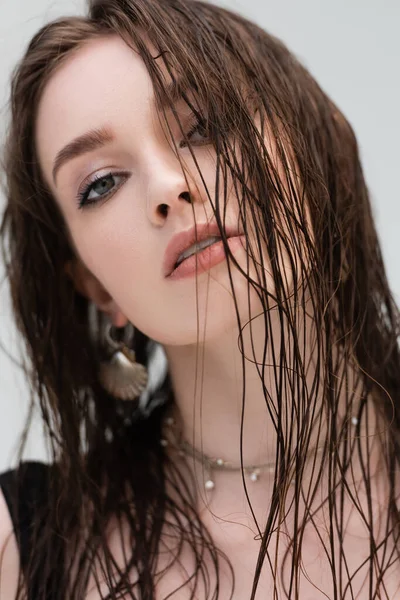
x=352, y=47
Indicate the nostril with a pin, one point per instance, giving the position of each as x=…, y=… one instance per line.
x=185, y=196
x=163, y=209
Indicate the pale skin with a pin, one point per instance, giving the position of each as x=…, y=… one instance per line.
x=121, y=243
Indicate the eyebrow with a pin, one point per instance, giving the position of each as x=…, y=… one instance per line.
x=98, y=138
x=175, y=90
x=87, y=142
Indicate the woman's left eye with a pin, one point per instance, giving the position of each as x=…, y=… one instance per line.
x=200, y=126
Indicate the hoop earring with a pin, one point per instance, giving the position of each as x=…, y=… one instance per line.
x=120, y=374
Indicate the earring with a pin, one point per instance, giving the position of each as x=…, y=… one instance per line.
x=120, y=374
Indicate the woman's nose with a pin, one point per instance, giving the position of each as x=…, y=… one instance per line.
x=169, y=192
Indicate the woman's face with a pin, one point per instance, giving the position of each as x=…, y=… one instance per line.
x=122, y=238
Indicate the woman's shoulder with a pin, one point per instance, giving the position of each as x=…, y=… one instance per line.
x=10, y=563
x=21, y=492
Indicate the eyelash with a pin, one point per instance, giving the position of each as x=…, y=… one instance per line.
x=82, y=197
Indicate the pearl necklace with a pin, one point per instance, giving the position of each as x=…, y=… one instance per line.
x=212, y=463
x=219, y=464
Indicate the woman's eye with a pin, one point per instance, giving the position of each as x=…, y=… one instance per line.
x=98, y=189
x=200, y=126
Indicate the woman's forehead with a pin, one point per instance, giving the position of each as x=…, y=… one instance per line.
x=102, y=82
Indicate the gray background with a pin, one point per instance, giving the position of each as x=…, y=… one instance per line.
x=352, y=47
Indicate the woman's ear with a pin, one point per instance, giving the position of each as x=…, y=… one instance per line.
x=88, y=285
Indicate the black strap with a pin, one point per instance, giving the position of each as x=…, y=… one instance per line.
x=32, y=479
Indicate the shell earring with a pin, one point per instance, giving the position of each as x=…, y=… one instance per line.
x=120, y=374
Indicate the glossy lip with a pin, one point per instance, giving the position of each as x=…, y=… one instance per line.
x=206, y=259
x=183, y=240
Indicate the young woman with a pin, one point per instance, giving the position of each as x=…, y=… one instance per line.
x=223, y=418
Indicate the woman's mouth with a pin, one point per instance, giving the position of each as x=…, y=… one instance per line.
x=206, y=258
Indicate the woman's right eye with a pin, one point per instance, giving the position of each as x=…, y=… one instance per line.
x=98, y=184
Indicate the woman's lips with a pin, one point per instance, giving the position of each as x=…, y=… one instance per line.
x=184, y=239
x=207, y=258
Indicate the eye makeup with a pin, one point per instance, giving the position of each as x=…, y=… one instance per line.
x=196, y=124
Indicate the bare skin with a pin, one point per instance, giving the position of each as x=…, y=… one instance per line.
x=119, y=238
x=120, y=244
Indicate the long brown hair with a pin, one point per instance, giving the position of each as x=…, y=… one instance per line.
x=235, y=69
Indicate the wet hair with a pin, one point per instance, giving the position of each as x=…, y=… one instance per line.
x=312, y=211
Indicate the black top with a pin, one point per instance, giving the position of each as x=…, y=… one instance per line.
x=32, y=493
